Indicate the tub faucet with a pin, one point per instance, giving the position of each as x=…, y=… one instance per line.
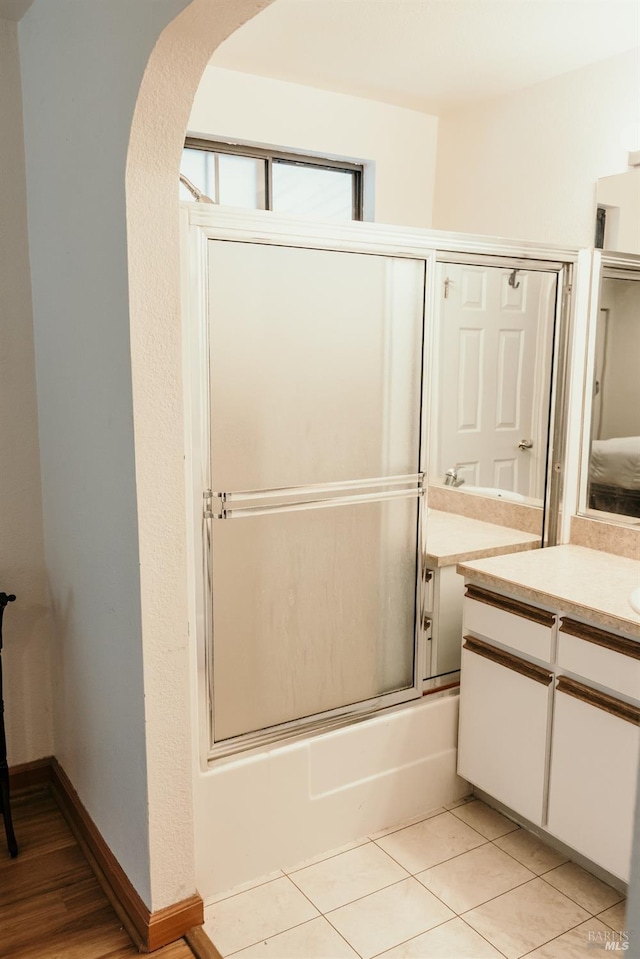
x=451, y=477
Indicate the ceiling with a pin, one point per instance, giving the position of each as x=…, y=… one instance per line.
x=429, y=55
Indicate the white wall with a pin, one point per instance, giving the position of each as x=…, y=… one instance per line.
x=525, y=166
x=27, y=622
x=401, y=142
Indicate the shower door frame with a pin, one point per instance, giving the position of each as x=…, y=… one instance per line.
x=202, y=226
x=199, y=224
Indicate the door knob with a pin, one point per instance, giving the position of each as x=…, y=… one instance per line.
x=525, y=444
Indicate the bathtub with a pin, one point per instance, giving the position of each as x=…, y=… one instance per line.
x=269, y=810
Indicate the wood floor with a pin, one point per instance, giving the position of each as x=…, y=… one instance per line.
x=51, y=905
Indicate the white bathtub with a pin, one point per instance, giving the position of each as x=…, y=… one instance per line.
x=273, y=809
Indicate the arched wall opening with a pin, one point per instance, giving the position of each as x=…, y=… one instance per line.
x=169, y=84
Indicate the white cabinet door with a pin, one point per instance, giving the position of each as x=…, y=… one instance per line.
x=504, y=720
x=594, y=766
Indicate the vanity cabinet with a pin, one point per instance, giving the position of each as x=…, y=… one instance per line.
x=594, y=766
x=550, y=722
x=505, y=702
x=443, y=595
x=504, y=714
x=595, y=743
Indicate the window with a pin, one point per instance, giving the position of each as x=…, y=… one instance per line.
x=263, y=179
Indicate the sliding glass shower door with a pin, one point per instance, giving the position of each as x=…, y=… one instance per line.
x=315, y=362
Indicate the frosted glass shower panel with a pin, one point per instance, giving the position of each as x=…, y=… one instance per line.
x=313, y=611
x=315, y=359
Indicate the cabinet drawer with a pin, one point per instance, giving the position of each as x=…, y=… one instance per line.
x=594, y=764
x=602, y=657
x=524, y=628
x=504, y=718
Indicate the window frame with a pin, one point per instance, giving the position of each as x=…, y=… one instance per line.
x=356, y=168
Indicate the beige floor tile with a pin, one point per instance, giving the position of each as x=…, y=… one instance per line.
x=588, y=939
x=616, y=916
x=389, y=917
x=579, y=885
x=525, y=918
x=243, y=887
x=474, y=877
x=430, y=842
x=530, y=851
x=484, y=819
x=460, y=802
x=409, y=822
x=257, y=914
x=453, y=940
x=350, y=876
x=316, y=939
x=287, y=870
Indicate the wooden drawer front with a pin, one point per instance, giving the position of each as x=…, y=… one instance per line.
x=524, y=628
x=603, y=658
x=594, y=765
x=504, y=715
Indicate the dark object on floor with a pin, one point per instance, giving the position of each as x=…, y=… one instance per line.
x=5, y=599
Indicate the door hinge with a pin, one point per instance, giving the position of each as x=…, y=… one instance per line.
x=207, y=496
x=446, y=286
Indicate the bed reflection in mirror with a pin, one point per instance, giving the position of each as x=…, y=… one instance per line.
x=613, y=484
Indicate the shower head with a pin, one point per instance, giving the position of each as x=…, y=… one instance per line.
x=198, y=196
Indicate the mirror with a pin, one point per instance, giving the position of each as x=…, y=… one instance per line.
x=618, y=212
x=491, y=408
x=492, y=353
x=611, y=461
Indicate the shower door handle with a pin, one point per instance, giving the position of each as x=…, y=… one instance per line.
x=241, y=503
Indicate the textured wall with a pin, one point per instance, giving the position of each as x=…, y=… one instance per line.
x=27, y=625
x=157, y=136
x=525, y=165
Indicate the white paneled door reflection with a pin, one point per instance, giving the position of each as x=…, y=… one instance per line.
x=495, y=373
x=315, y=391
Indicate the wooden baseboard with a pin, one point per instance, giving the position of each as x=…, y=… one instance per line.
x=200, y=944
x=30, y=775
x=149, y=930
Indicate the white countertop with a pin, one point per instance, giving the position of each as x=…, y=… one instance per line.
x=452, y=538
x=581, y=582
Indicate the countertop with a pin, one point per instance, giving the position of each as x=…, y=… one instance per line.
x=581, y=582
x=452, y=538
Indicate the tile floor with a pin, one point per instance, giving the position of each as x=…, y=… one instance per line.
x=464, y=882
